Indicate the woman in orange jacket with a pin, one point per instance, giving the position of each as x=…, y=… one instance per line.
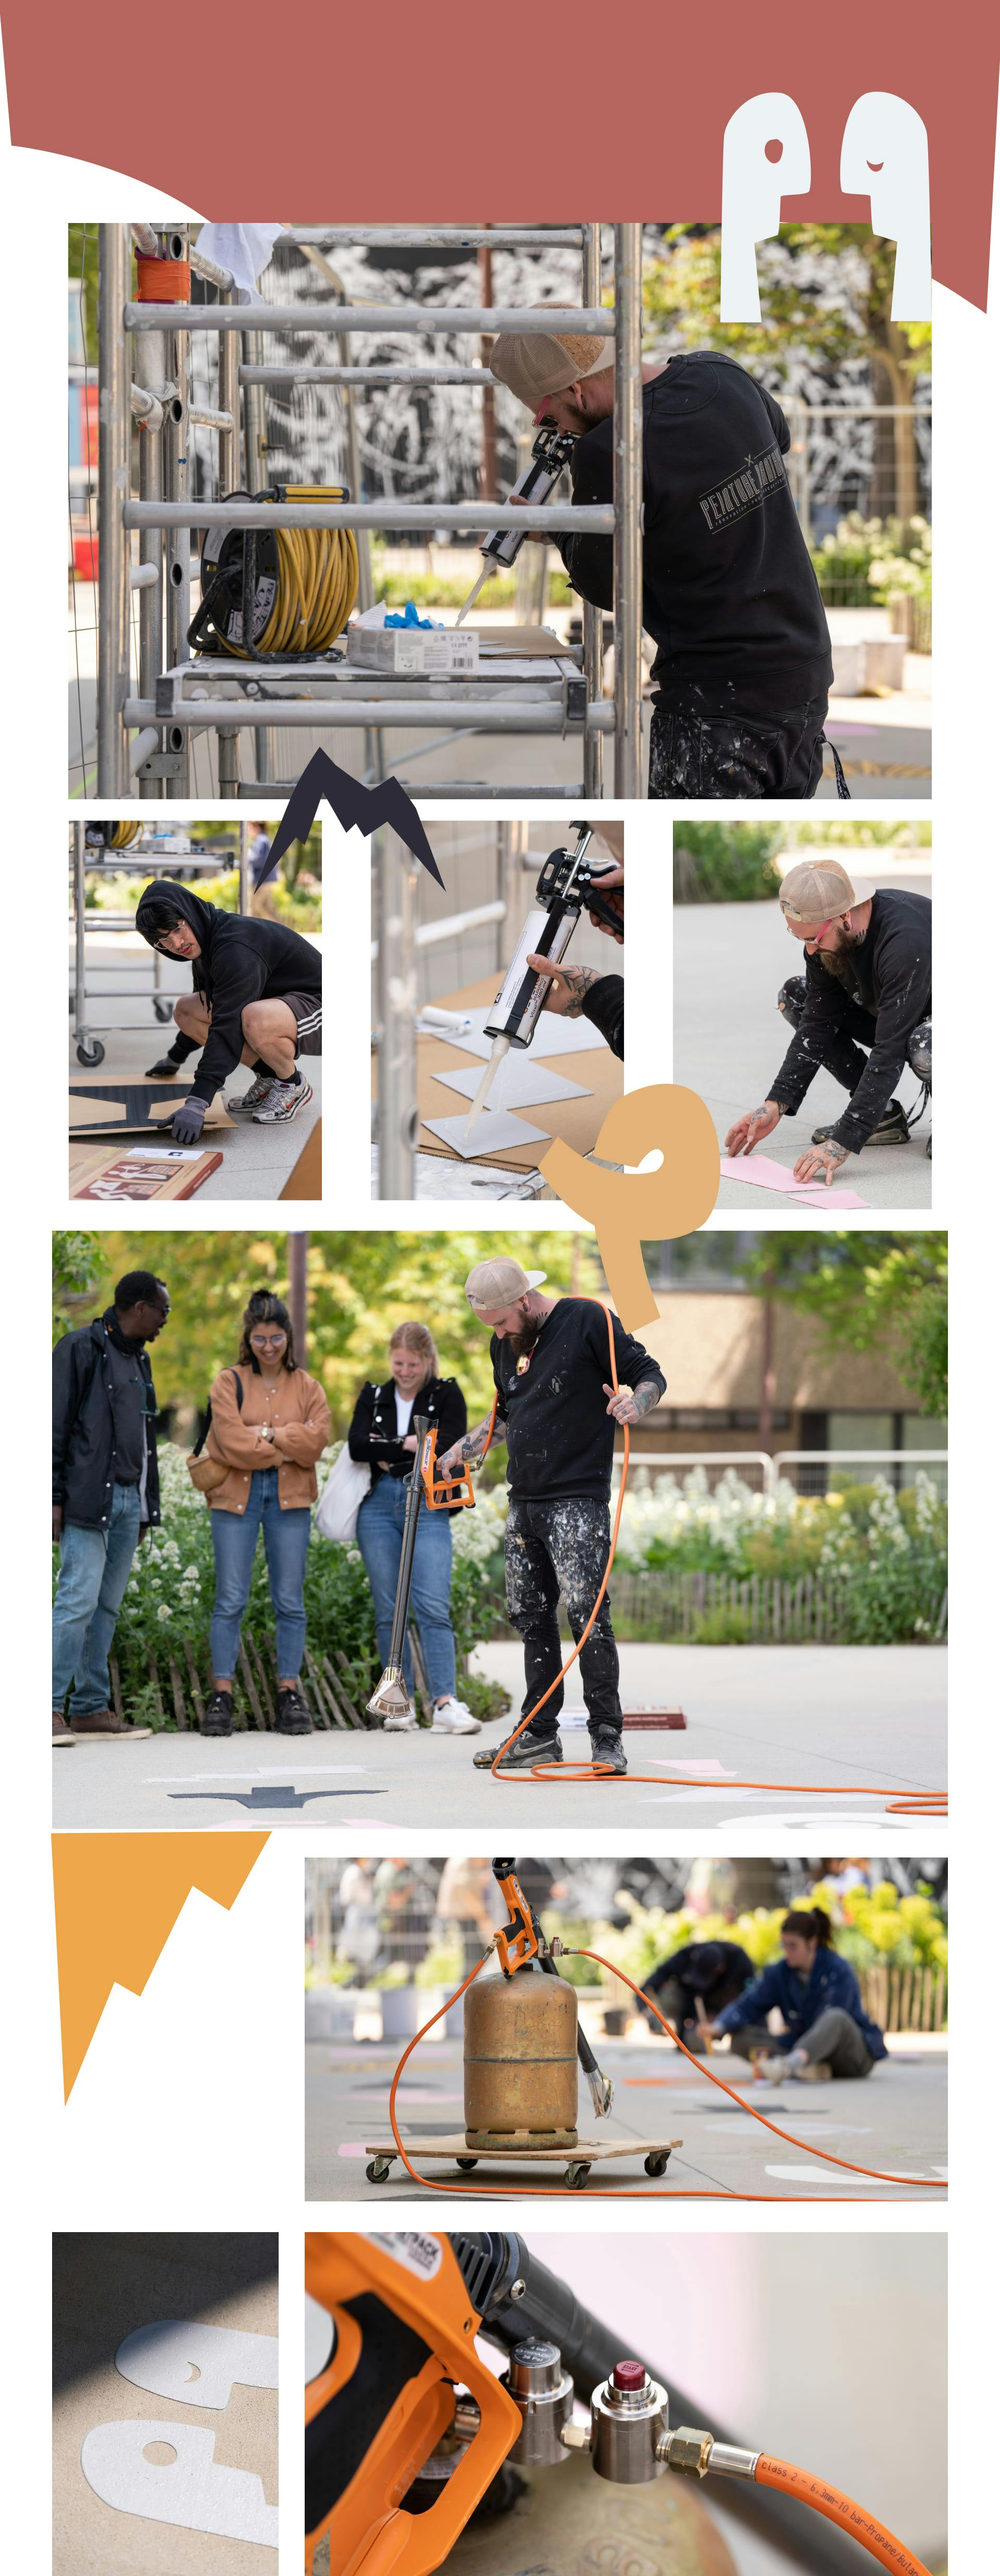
x=270, y=1423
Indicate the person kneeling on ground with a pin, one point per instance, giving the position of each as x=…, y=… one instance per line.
x=105, y=1494
x=558, y=1412
x=269, y=1437
x=827, y=2030
x=381, y=1437
x=694, y=1984
x=867, y=985
x=257, y=999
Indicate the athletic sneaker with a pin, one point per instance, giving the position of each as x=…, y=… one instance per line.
x=218, y=1717
x=284, y=1100
x=519, y=1756
x=451, y=1717
x=245, y=1104
x=408, y=1725
x=892, y=1129
x=770, y=2070
x=293, y=1716
x=607, y=1749
x=815, y=2071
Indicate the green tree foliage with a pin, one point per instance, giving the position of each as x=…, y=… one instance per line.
x=736, y=862
x=867, y=1290
x=78, y=1267
x=803, y=303
x=360, y=1285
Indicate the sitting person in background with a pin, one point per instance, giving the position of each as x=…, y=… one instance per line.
x=827, y=2030
x=695, y=1983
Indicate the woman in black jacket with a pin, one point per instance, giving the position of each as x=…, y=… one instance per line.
x=381, y=1437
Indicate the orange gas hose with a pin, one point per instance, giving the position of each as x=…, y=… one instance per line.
x=862, y=2526
x=916, y=1802
x=540, y=2190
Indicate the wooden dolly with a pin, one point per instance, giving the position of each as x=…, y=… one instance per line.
x=577, y=2159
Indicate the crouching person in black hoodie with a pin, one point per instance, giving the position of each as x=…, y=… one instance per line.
x=257, y=1000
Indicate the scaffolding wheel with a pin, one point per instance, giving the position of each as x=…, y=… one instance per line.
x=576, y=2176
x=657, y=2165
x=467, y=2164
x=164, y=1011
x=90, y=1051
x=379, y=2169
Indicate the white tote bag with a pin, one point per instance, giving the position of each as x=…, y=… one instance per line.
x=345, y=1490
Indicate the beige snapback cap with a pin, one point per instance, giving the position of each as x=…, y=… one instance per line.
x=499, y=1283
x=535, y=364
x=816, y=890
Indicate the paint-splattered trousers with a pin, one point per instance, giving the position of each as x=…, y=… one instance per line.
x=552, y=1548
x=834, y=2040
x=701, y=744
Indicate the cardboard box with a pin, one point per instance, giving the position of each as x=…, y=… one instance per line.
x=414, y=652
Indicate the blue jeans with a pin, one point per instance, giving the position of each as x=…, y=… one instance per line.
x=234, y=1539
x=380, y=1539
x=94, y=1568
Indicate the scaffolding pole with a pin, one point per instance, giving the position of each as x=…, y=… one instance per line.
x=593, y=618
x=397, y=1117
x=114, y=441
x=628, y=511
x=382, y=318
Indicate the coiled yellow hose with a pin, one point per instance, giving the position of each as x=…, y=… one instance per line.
x=317, y=586
x=118, y=836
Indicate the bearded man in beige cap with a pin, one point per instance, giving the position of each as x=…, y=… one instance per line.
x=557, y=1413
x=730, y=597
x=867, y=986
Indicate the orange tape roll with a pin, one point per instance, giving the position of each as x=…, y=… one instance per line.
x=163, y=281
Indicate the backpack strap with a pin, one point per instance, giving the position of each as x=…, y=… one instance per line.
x=207, y=1424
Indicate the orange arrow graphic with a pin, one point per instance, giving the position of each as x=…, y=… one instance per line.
x=117, y=1898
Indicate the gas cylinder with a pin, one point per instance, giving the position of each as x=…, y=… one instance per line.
x=520, y=2060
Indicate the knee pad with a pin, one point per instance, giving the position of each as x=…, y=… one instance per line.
x=792, y=999
x=918, y=1053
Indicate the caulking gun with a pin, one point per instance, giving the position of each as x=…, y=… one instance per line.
x=568, y=885
x=549, y=457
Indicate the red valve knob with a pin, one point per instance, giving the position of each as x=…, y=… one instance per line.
x=629, y=2376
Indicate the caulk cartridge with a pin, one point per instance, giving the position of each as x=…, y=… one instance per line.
x=549, y=456
x=560, y=893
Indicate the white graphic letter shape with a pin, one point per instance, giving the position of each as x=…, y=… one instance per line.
x=884, y=157
x=752, y=190
x=191, y=2492
x=159, y=2359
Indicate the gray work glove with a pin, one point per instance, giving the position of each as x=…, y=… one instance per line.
x=188, y=1121
x=163, y=1069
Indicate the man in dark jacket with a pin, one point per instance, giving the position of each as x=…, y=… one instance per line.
x=827, y=2030
x=694, y=1984
x=867, y=986
x=105, y=1494
x=729, y=595
x=257, y=999
x=557, y=1412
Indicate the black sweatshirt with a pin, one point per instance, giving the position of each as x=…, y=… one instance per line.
x=560, y=1435
x=605, y=1006
x=890, y=980
x=729, y=593
x=242, y=960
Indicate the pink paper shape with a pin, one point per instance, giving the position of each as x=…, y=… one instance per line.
x=762, y=1174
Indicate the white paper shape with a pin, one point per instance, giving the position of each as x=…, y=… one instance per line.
x=553, y=1035
x=520, y=1084
x=191, y=2492
x=494, y=1132
x=884, y=157
x=160, y=2359
x=752, y=190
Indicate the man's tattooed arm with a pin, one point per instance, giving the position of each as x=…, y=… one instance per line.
x=474, y=1443
x=645, y=1395
x=578, y=981
x=631, y=1402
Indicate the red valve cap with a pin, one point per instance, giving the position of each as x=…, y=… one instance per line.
x=629, y=2376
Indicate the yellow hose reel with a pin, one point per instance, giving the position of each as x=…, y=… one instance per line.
x=291, y=589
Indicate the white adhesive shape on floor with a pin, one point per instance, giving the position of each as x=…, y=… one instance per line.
x=191, y=2492
x=520, y=1084
x=553, y=1035
x=161, y=2358
x=495, y=1132
x=824, y=2173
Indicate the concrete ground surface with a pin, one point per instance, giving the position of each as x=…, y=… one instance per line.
x=815, y=1715
x=730, y=961
x=256, y=1161
x=894, y=2119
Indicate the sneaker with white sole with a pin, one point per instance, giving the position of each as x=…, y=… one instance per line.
x=407, y=1725
x=451, y=1717
x=245, y=1104
x=284, y=1100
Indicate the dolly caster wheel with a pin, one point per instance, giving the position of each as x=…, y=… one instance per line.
x=657, y=2165
x=467, y=2164
x=90, y=1051
x=164, y=1011
x=576, y=2176
x=380, y=2169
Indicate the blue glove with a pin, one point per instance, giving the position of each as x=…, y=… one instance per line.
x=188, y=1121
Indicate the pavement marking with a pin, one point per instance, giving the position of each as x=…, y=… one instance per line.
x=818, y=2173
x=266, y=1771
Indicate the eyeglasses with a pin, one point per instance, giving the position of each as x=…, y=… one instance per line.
x=267, y=1341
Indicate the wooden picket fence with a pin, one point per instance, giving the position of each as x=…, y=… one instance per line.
x=179, y=1690
x=906, y=1998
x=667, y=1604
